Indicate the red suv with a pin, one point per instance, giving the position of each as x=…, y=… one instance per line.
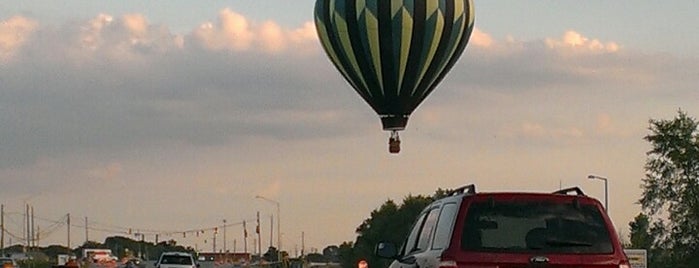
x=510, y=230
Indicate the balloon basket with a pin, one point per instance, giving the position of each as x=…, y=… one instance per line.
x=394, y=143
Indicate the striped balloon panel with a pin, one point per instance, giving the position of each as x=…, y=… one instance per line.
x=394, y=52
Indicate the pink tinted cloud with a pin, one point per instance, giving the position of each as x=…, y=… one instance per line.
x=233, y=31
x=14, y=32
x=575, y=40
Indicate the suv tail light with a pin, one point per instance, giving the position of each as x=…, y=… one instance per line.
x=624, y=265
x=449, y=264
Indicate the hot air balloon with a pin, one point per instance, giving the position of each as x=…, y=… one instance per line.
x=394, y=52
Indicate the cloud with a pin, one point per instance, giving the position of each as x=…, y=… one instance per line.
x=573, y=39
x=14, y=33
x=235, y=32
x=480, y=38
x=570, y=60
x=137, y=24
x=109, y=172
x=119, y=82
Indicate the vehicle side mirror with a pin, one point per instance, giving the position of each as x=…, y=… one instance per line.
x=198, y=264
x=386, y=250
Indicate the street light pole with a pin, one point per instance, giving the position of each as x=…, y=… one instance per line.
x=606, y=189
x=279, y=220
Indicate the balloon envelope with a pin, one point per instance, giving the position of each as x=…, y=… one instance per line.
x=394, y=52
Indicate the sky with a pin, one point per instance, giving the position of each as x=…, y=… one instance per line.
x=169, y=117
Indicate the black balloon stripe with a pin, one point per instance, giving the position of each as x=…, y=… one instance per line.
x=337, y=47
x=373, y=88
x=437, y=65
x=417, y=50
x=467, y=29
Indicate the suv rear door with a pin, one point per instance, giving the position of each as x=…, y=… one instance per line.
x=533, y=230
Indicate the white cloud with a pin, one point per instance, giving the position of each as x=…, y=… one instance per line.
x=137, y=24
x=575, y=40
x=235, y=32
x=232, y=32
x=480, y=38
x=92, y=32
x=14, y=32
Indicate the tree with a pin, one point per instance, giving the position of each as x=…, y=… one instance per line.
x=671, y=189
x=641, y=237
x=332, y=253
x=346, y=251
x=390, y=223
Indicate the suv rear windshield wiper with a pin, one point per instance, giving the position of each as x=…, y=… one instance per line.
x=567, y=243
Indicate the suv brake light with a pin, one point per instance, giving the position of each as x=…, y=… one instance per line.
x=447, y=264
x=624, y=265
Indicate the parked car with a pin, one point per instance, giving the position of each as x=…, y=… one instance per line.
x=176, y=260
x=565, y=228
x=8, y=262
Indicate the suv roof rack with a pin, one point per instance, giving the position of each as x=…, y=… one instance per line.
x=569, y=190
x=468, y=189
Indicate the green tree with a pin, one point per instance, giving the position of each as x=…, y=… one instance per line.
x=671, y=189
x=641, y=237
x=332, y=253
x=346, y=252
x=390, y=223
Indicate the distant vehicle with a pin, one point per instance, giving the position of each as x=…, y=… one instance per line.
x=176, y=260
x=8, y=262
x=133, y=263
x=565, y=228
x=99, y=255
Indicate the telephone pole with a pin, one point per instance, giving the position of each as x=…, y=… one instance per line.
x=68, y=225
x=86, y=237
x=33, y=233
x=26, y=228
x=2, y=229
x=225, y=249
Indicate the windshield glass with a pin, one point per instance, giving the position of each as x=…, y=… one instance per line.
x=173, y=259
x=531, y=226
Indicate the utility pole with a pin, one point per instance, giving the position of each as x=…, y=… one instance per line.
x=2, y=229
x=33, y=234
x=303, y=242
x=68, y=225
x=26, y=228
x=271, y=230
x=86, y=237
x=259, y=237
x=225, y=248
x=245, y=238
x=214, y=241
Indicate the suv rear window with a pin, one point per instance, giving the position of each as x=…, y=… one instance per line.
x=535, y=226
x=176, y=259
